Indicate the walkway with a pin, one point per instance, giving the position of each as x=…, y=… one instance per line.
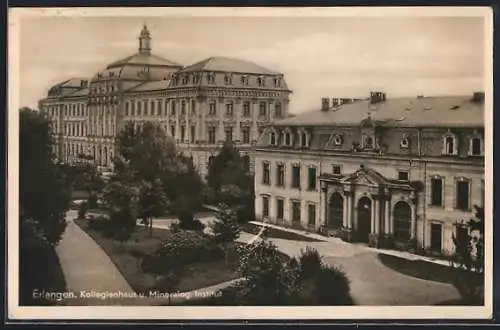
x=87, y=267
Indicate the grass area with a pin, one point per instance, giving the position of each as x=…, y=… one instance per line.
x=276, y=233
x=420, y=269
x=124, y=256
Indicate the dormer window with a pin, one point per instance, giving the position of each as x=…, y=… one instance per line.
x=304, y=139
x=450, y=145
x=287, y=138
x=405, y=142
x=196, y=79
x=272, y=139
x=260, y=81
x=277, y=82
x=185, y=80
x=338, y=140
x=476, y=146
x=211, y=78
x=228, y=79
x=244, y=80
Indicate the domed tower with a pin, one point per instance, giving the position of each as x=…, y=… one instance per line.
x=145, y=41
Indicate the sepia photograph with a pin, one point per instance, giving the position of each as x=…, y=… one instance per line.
x=250, y=163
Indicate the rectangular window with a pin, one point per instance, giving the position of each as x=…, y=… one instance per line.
x=437, y=192
x=280, y=209
x=266, y=175
x=211, y=135
x=192, y=134
x=462, y=195
x=277, y=110
x=336, y=169
x=403, y=176
x=246, y=135
x=139, y=108
x=262, y=109
x=159, y=108
x=296, y=176
x=476, y=147
x=212, y=111
x=246, y=109
x=172, y=131
x=152, y=108
x=229, y=133
x=311, y=174
x=265, y=206
x=183, y=132
x=229, y=109
x=296, y=212
x=280, y=175
x=145, y=107
x=311, y=212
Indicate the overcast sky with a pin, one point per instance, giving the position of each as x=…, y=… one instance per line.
x=322, y=56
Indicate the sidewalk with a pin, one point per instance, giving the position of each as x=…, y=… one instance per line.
x=395, y=253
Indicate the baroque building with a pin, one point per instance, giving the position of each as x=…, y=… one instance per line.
x=199, y=105
x=389, y=172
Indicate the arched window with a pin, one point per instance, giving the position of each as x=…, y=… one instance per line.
x=127, y=108
x=183, y=108
x=450, y=146
x=272, y=139
x=402, y=221
x=105, y=160
x=368, y=142
x=336, y=211
x=174, y=108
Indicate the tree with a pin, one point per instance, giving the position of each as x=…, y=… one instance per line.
x=226, y=229
x=269, y=280
x=43, y=193
x=468, y=258
x=152, y=202
x=121, y=199
x=232, y=183
x=44, y=198
x=147, y=157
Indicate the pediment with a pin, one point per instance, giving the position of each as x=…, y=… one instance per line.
x=364, y=177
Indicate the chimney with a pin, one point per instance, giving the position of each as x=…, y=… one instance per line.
x=478, y=97
x=325, y=104
x=377, y=97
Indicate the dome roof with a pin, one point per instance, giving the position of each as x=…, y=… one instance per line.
x=144, y=59
x=227, y=64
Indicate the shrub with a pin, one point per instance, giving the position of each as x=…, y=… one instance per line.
x=309, y=263
x=82, y=210
x=188, y=222
x=182, y=248
x=98, y=223
x=331, y=287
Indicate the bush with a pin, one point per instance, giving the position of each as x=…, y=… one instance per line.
x=309, y=263
x=182, y=248
x=188, y=222
x=82, y=210
x=331, y=287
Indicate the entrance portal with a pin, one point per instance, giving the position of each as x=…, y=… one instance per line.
x=364, y=218
x=336, y=211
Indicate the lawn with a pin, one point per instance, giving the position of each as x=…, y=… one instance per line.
x=420, y=269
x=276, y=233
x=194, y=276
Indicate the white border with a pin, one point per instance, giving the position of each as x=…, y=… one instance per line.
x=16, y=312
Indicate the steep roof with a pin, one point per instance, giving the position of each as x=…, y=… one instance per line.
x=151, y=86
x=227, y=64
x=425, y=111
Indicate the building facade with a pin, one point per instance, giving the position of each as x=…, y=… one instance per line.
x=200, y=105
x=383, y=171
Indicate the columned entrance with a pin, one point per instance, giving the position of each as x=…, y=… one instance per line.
x=336, y=211
x=364, y=218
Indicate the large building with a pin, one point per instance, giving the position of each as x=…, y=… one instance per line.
x=200, y=105
x=379, y=170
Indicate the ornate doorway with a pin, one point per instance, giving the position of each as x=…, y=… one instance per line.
x=364, y=218
x=335, y=211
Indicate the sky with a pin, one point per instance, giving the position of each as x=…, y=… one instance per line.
x=319, y=56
